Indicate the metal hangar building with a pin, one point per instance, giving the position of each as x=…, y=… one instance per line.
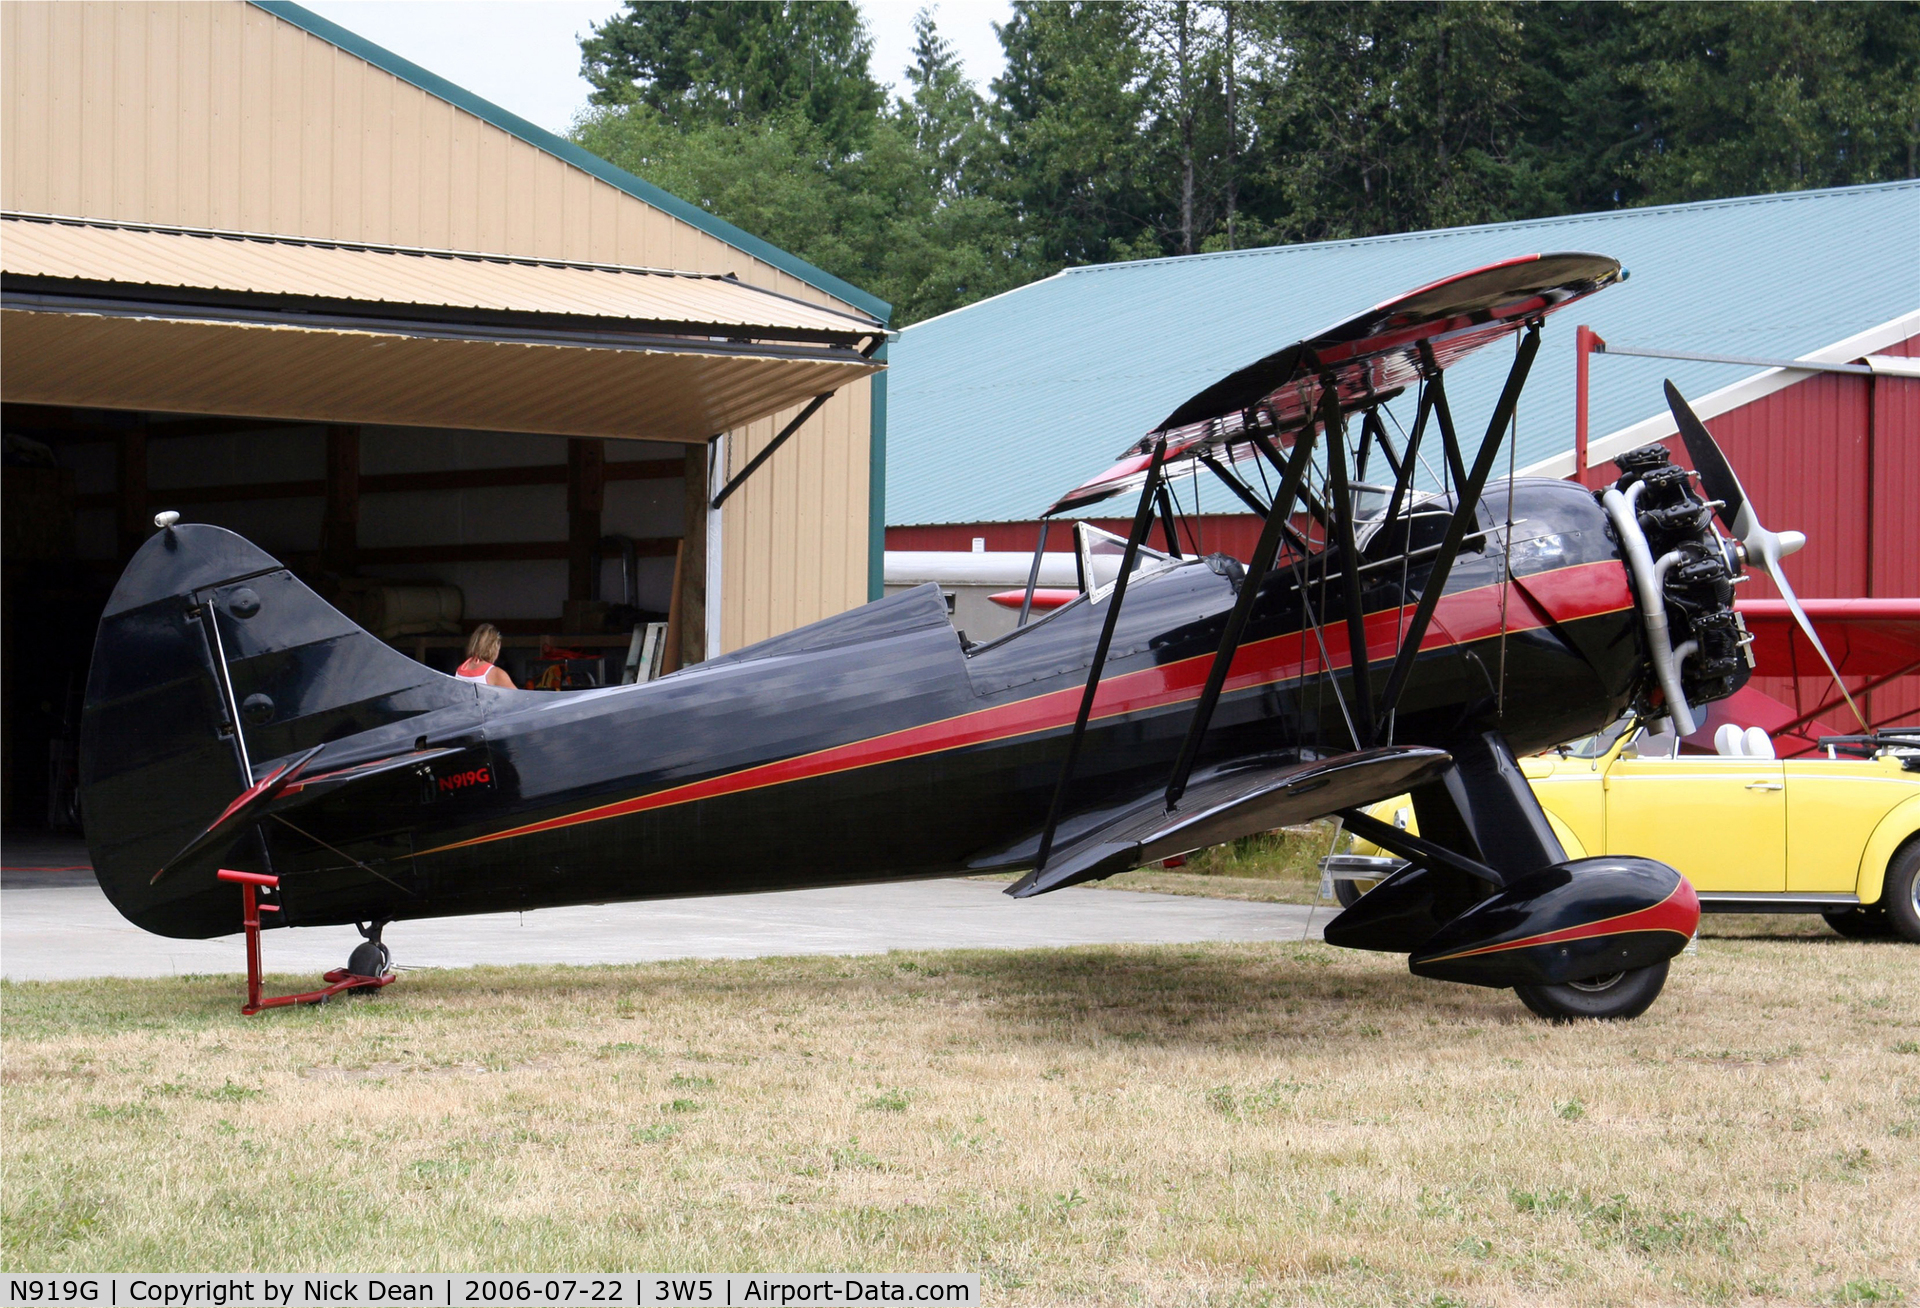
x=447, y=365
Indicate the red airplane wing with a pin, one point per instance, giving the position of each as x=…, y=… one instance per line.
x=1866, y=637
x=1371, y=355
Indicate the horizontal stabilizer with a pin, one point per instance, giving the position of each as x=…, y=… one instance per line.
x=1238, y=799
x=285, y=782
x=328, y=782
x=245, y=806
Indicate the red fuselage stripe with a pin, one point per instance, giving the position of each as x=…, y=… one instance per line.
x=1583, y=590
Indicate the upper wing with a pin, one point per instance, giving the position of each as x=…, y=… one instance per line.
x=1370, y=356
x=1237, y=799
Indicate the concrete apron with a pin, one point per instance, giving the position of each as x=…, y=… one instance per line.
x=56, y=925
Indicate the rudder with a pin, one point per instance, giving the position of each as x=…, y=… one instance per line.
x=213, y=661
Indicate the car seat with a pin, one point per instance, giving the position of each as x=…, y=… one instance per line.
x=1730, y=741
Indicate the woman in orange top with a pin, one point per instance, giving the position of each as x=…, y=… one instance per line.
x=483, y=647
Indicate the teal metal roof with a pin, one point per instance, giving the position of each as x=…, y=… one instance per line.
x=540, y=138
x=997, y=408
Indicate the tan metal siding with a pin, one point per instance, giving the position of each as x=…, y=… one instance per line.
x=212, y=113
x=795, y=535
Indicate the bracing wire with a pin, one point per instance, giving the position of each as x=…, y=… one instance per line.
x=1301, y=568
x=1319, y=636
x=1326, y=677
x=1196, y=535
x=1199, y=528
x=1506, y=555
x=1406, y=557
x=343, y=854
x=1432, y=476
x=1180, y=518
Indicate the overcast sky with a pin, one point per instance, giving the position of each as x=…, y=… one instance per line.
x=524, y=55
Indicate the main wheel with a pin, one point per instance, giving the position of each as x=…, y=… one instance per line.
x=369, y=958
x=1860, y=923
x=1616, y=996
x=1901, y=897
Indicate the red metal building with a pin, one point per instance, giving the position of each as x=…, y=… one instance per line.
x=1835, y=455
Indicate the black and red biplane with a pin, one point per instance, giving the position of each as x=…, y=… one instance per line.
x=1390, y=633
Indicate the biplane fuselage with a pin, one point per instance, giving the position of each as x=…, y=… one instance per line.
x=872, y=746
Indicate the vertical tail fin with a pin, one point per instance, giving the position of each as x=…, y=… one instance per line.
x=212, y=662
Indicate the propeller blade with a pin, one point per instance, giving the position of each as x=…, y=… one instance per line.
x=1720, y=482
x=1716, y=474
x=1768, y=547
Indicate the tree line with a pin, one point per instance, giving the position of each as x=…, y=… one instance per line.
x=1128, y=129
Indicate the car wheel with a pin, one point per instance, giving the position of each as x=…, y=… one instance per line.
x=1860, y=923
x=1900, y=899
x=1615, y=997
x=1349, y=892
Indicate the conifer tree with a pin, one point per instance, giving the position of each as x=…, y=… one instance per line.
x=1135, y=128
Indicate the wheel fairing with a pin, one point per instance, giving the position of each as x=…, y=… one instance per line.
x=1569, y=922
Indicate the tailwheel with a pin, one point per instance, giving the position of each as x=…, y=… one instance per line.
x=370, y=957
x=1617, y=996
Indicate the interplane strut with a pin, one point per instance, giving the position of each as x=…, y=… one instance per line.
x=1142, y=520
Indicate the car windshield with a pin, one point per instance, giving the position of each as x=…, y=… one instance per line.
x=1599, y=742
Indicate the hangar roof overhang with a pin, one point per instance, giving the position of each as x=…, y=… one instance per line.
x=134, y=316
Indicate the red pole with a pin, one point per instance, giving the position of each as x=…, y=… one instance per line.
x=250, y=921
x=1583, y=339
x=251, y=883
x=251, y=906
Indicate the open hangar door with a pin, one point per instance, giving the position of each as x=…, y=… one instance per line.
x=430, y=441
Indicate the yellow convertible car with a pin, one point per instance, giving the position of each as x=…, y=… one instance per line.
x=1836, y=834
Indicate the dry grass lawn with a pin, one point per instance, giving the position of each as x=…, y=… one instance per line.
x=1250, y=1124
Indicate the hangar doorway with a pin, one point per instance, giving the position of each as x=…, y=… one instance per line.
x=429, y=440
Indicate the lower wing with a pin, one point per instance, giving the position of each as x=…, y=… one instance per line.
x=1236, y=799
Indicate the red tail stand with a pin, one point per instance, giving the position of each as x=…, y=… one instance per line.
x=251, y=908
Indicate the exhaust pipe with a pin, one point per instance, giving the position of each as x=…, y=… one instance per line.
x=1647, y=576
